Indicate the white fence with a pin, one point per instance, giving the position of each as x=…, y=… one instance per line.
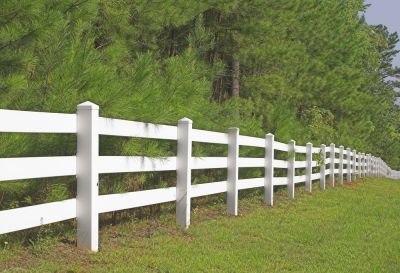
x=87, y=165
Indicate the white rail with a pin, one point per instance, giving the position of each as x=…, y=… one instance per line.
x=87, y=165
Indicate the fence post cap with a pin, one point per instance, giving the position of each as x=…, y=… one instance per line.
x=269, y=134
x=233, y=129
x=87, y=105
x=309, y=143
x=185, y=120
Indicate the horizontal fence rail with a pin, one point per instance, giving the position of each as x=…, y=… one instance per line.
x=331, y=163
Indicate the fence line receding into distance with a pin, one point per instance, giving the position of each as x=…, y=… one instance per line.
x=345, y=164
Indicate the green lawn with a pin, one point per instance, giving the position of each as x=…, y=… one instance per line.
x=355, y=228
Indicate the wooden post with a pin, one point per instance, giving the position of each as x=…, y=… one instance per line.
x=380, y=166
x=373, y=167
x=354, y=165
x=377, y=167
x=369, y=165
x=87, y=176
x=291, y=169
x=269, y=170
x=233, y=171
x=341, y=149
x=184, y=172
x=309, y=147
x=360, y=165
x=322, y=167
x=364, y=165
x=332, y=165
x=384, y=168
x=348, y=165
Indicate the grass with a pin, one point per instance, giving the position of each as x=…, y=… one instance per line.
x=355, y=228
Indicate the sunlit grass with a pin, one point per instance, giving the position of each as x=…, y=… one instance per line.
x=355, y=228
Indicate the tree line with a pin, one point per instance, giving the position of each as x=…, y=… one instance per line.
x=307, y=70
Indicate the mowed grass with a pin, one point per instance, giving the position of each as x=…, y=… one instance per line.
x=354, y=228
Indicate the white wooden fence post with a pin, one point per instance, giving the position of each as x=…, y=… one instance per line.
x=291, y=169
x=359, y=165
x=364, y=165
x=233, y=171
x=384, y=168
x=341, y=148
x=354, y=165
x=332, y=165
x=380, y=167
x=322, y=167
x=348, y=165
x=309, y=147
x=372, y=166
x=376, y=167
x=87, y=176
x=369, y=165
x=184, y=172
x=269, y=170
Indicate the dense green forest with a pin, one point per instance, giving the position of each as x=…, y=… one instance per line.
x=308, y=70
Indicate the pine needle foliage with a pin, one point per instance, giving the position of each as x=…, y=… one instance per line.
x=309, y=70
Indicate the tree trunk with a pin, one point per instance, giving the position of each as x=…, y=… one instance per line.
x=235, y=78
